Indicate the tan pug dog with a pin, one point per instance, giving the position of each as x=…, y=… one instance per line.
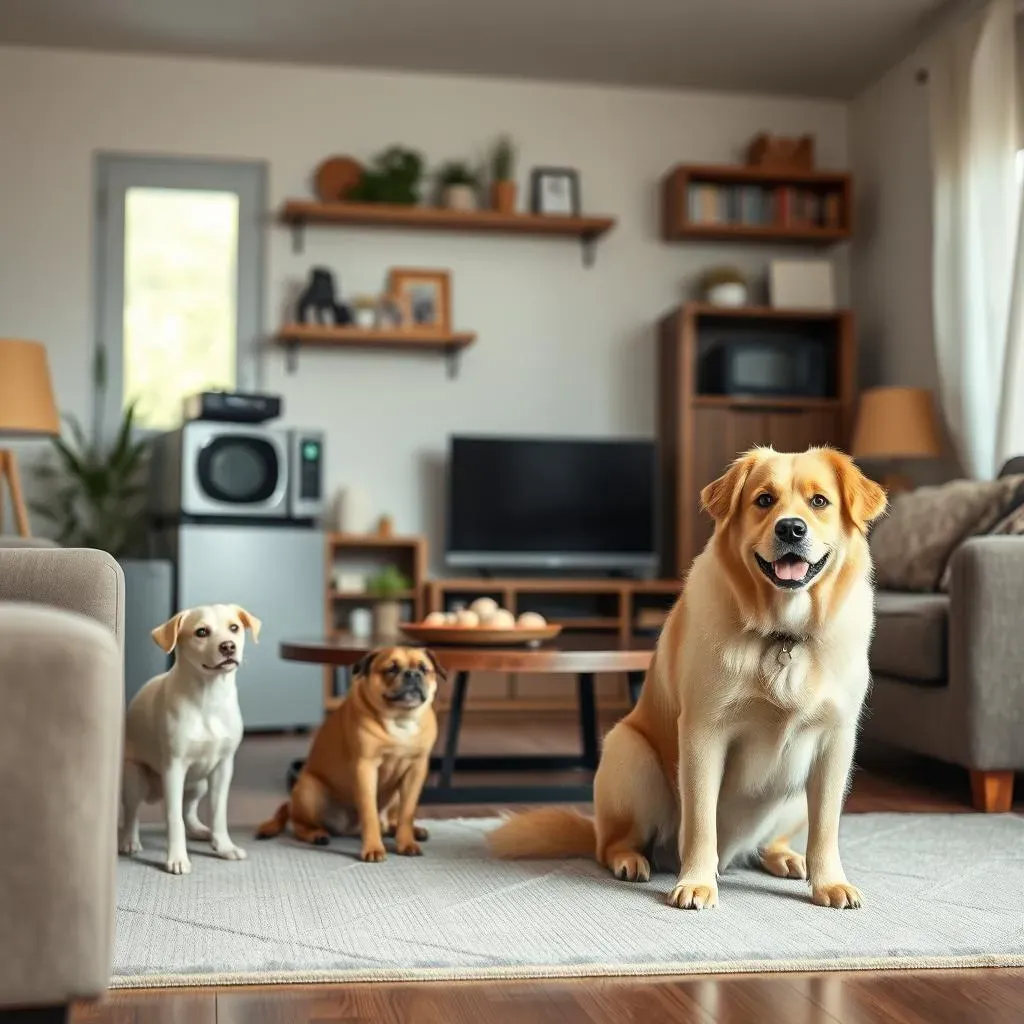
x=370, y=759
x=182, y=730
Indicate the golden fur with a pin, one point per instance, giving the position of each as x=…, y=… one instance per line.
x=369, y=760
x=745, y=729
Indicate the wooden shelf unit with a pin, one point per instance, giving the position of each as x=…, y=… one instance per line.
x=299, y=213
x=622, y=601
x=292, y=337
x=782, y=188
x=700, y=434
x=371, y=551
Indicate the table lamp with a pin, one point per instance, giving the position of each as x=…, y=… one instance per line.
x=896, y=423
x=27, y=409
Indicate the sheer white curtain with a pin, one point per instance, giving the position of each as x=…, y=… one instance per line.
x=976, y=254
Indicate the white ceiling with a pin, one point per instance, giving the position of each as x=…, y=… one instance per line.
x=828, y=48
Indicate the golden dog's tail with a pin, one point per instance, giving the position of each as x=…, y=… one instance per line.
x=276, y=825
x=546, y=833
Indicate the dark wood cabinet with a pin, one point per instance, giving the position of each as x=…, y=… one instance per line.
x=699, y=434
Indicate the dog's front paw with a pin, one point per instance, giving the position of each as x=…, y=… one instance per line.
x=178, y=864
x=129, y=846
x=373, y=854
x=408, y=848
x=840, y=895
x=227, y=850
x=693, y=896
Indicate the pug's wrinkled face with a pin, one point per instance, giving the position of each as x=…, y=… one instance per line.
x=210, y=639
x=399, y=680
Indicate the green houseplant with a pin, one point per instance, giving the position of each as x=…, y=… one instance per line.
x=503, y=175
x=97, y=492
x=458, y=184
x=388, y=586
x=394, y=177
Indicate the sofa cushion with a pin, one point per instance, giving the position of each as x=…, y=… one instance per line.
x=910, y=640
x=912, y=545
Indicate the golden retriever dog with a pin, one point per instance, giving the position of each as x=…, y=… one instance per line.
x=745, y=729
x=368, y=762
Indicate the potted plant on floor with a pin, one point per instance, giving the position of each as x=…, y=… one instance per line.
x=503, y=184
x=388, y=586
x=459, y=185
x=96, y=498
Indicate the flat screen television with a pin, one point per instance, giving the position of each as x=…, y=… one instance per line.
x=552, y=504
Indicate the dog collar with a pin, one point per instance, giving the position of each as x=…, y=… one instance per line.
x=787, y=642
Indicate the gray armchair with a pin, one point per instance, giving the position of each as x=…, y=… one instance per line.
x=61, y=689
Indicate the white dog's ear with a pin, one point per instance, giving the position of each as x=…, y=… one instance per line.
x=166, y=636
x=249, y=621
x=721, y=496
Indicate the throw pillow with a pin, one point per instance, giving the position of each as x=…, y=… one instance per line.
x=912, y=545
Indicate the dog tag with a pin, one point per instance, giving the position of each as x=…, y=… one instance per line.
x=786, y=653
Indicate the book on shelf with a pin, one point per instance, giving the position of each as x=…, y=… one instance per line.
x=762, y=205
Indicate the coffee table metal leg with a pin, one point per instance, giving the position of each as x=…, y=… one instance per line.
x=451, y=742
x=636, y=684
x=588, y=718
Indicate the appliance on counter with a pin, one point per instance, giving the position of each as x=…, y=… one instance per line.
x=236, y=509
x=552, y=504
x=765, y=366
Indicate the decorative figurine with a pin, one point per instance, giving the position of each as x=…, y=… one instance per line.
x=320, y=297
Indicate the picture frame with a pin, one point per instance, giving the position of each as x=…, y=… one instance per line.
x=555, y=191
x=424, y=295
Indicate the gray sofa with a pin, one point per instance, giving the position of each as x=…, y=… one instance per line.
x=61, y=689
x=948, y=669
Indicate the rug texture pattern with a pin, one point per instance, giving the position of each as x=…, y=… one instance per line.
x=940, y=891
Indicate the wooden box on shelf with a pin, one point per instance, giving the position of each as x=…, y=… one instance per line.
x=700, y=433
x=369, y=551
x=768, y=204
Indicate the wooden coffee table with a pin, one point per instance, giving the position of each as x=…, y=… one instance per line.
x=580, y=656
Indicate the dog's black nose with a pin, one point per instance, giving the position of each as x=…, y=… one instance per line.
x=227, y=648
x=412, y=677
x=790, y=530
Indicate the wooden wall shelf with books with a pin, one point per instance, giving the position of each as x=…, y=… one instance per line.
x=294, y=336
x=616, y=606
x=751, y=204
x=701, y=431
x=299, y=213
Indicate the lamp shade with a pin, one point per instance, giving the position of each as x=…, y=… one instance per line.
x=26, y=393
x=896, y=423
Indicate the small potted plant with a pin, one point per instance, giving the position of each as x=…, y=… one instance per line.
x=458, y=186
x=503, y=175
x=365, y=310
x=724, y=286
x=388, y=587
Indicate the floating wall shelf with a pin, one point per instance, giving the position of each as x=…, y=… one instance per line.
x=294, y=336
x=300, y=213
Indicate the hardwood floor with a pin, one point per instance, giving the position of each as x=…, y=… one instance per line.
x=883, y=782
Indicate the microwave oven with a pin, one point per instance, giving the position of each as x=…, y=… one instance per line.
x=209, y=469
x=766, y=367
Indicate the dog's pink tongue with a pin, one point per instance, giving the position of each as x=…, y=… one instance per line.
x=790, y=570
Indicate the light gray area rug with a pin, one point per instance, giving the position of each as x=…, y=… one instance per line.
x=940, y=891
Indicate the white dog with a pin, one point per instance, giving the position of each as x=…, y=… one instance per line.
x=182, y=730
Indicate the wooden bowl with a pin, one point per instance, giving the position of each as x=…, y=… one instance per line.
x=336, y=176
x=478, y=636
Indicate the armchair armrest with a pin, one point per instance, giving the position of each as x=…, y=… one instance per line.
x=986, y=650
x=60, y=752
